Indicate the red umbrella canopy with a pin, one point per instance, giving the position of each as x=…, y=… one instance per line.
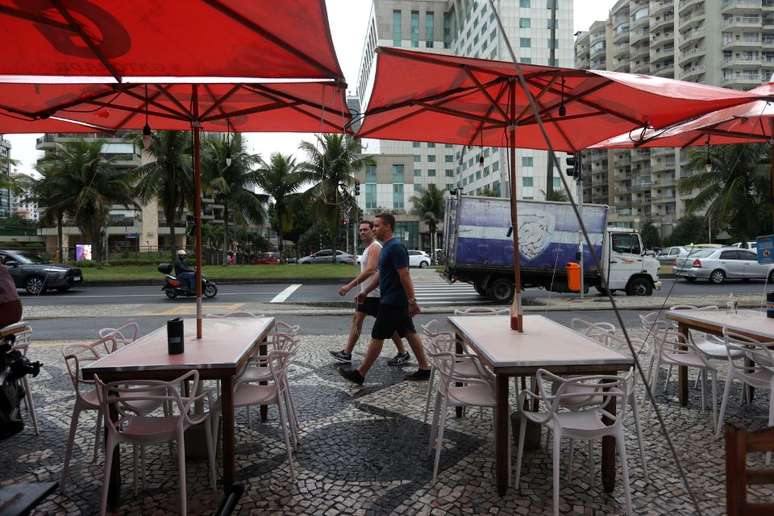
x=129, y=40
x=240, y=107
x=746, y=123
x=419, y=96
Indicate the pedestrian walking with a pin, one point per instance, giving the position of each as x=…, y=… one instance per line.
x=397, y=304
x=370, y=305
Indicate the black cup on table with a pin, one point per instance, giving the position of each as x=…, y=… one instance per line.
x=175, y=343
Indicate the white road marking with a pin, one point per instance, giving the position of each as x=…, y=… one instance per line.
x=282, y=296
x=95, y=296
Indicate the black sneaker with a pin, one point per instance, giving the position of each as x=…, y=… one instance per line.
x=420, y=375
x=342, y=356
x=399, y=359
x=353, y=375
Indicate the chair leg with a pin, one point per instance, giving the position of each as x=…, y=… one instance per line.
x=285, y=430
x=97, y=433
x=701, y=372
x=181, y=473
x=291, y=413
x=520, y=449
x=572, y=455
x=109, y=447
x=669, y=377
x=439, y=440
x=70, y=444
x=621, y=444
x=715, y=398
x=30, y=403
x=771, y=421
x=556, y=456
x=429, y=393
x=436, y=418
x=724, y=402
x=638, y=429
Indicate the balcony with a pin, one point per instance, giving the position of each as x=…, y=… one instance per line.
x=639, y=52
x=662, y=165
x=691, y=54
x=738, y=42
x=640, y=155
x=687, y=5
x=693, y=73
x=662, y=54
x=692, y=36
x=641, y=185
x=639, y=36
x=662, y=37
x=621, y=51
x=742, y=61
x=741, y=22
x=691, y=20
x=740, y=6
x=667, y=71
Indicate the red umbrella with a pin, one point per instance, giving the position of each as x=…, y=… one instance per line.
x=79, y=66
x=449, y=99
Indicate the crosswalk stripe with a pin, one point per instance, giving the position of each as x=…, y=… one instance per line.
x=285, y=294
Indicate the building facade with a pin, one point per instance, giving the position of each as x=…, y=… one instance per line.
x=727, y=43
x=6, y=200
x=467, y=28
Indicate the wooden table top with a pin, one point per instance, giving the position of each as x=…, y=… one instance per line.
x=543, y=344
x=225, y=345
x=753, y=323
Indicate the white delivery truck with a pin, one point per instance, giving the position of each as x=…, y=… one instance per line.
x=479, y=248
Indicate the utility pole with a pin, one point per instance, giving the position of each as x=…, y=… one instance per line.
x=551, y=62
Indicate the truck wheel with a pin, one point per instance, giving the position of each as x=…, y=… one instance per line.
x=639, y=287
x=479, y=286
x=500, y=290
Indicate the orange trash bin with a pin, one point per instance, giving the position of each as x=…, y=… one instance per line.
x=573, y=276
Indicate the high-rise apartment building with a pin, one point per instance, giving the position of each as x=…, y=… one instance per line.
x=6, y=202
x=468, y=28
x=727, y=43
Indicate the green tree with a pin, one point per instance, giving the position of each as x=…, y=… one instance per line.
x=169, y=178
x=650, y=235
x=430, y=207
x=281, y=178
x=691, y=229
x=87, y=183
x=229, y=174
x=556, y=196
x=488, y=192
x=331, y=170
x=735, y=190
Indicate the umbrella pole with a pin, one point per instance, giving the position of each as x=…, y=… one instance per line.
x=517, y=322
x=197, y=213
x=771, y=174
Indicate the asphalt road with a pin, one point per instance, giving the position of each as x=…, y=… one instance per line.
x=316, y=293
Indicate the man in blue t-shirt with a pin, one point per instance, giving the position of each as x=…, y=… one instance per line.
x=397, y=306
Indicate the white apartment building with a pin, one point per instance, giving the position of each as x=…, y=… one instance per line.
x=23, y=206
x=468, y=28
x=6, y=202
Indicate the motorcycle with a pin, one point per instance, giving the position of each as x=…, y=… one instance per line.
x=174, y=287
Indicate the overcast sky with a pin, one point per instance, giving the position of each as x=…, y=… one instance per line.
x=348, y=19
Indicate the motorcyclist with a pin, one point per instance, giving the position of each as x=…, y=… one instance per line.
x=183, y=272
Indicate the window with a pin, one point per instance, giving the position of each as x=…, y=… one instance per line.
x=447, y=146
x=431, y=158
x=415, y=29
x=495, y=166
x=527, y=161
x=449, y=172
x=419, y=189
x=447, y=29
x=478, y=175
x=429, y=28
x=431, y=146
x=396, y=28
x=626, y=243
x=524, y=3
x=417, y=159
x=496, y=188
x=747, y=255
x=430, y=172
x=448, y=158
x=417, y=172
x=527, y=181
x=450, y=186
x=397, y=174
x=526, y=60
x=557, y=182
x=524, y=23
x=397, y=196
x=486, y=171
x=415, y=144
x=525, y=43
x=370, y=191
x=729, y=255
x=464, y=181
x=370, y=174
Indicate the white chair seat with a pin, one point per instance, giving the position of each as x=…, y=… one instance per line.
x=249, y=394
x=476, y=394
x=683, y=359
x=760, y=379
x=255, y=374
x=152, y=428
x=580, y=402
x=716, y=350
x=581, y=421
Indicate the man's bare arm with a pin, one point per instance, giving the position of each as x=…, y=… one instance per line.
x=408, y=288
x=370, y=270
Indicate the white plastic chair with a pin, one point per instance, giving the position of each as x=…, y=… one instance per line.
x=584, y=423
x=601, y=332
x=134, y=428
x=22, y=345
x=475, y=392
x=749, y=363
x=85, y=395
x=482, y=310
x=274, y=393
x=122, y=335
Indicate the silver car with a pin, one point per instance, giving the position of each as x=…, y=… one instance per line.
x=668, y=255
x=717, y=265
x=326, y=256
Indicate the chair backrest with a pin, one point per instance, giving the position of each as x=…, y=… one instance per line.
x=444, y=366
x=128, y=394
x=285, y=327
x=738, y=444
x=226, y=315
x=683, y=307
x=77, y=353
x=122, y=335
x=747, y=356
x=482, y=310
x=584, y=393
x=285, y=342
x=440, y=343
x=279, y=361
x=430, y=328
x=599, y=331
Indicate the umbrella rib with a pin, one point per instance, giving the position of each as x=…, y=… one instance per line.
x=542, y=91
x=238, y=17
x=265, y=90
x=152, y=101
x=275, y=96
x=218, y=101
x=132, y=115
x=247, y=111
x=80, y=100
x=18, y=13
x=86, y=39
x=134, y=110
x=164, y=91
x=486, y=94
x=392, y=122
x=32, y=116
x=461, y=114
x=488, y=112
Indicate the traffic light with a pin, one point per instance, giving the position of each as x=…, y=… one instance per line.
x=357, y=187
x=574, y=165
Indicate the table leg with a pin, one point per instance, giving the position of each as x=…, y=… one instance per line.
x=608, y=453
x=682, y=371
x=502, y=450
x=458, y=348
x=262, y=351
x=750, y=390
x=227, y=413
x=114, y=489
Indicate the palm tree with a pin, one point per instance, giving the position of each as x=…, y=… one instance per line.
x=48, y=194
x=430, y=207
x=330, y=168
x=169, y=178
x=280, y=178
x=734, y=190
x=228, y=173
x=86, y=184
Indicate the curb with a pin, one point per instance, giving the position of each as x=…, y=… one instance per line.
x=231, y=281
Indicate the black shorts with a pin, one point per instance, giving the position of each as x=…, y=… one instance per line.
x=391, y=319
x=370, y=307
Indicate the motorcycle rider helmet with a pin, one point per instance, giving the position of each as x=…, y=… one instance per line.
x=181, y=252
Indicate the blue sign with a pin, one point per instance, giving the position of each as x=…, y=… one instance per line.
x=766, y=249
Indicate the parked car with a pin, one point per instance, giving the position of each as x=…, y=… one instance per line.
x=668, y=255
x=36, y=275
x=419, y=258
x=718, y=265
x=326, y=256
x=753, y=246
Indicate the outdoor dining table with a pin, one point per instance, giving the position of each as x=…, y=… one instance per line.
x=222, y=353
x=544, y=344
x=750, y=323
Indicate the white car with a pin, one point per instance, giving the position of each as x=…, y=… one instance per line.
x=419, y=258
